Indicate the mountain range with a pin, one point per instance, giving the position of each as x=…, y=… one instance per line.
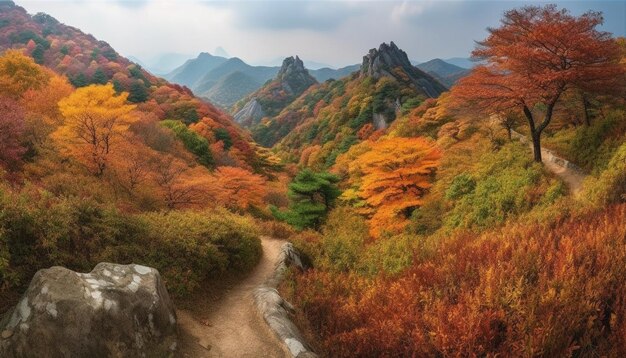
x=331, y=116
x=226, y=81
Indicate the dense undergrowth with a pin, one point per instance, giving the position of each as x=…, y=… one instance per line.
x=39, y=230
x=550, y=289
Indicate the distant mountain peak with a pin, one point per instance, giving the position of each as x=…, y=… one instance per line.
x=387, y=56
x=219, y=51
x=295, y=78
x=290, y=66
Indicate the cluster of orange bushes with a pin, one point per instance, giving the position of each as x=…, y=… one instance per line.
x=553, y=289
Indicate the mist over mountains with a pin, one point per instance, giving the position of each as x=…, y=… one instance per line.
x=225, y=81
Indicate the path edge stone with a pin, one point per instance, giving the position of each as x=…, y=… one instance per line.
x=276, y=311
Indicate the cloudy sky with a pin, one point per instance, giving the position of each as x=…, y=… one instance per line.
x=335, y=32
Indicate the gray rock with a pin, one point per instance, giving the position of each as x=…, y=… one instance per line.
x=113, y=311
x=294, y=78
x=250, y=114
x=381, y=62
x=276, y=311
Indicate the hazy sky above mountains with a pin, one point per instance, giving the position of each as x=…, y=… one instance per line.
x=333, y=32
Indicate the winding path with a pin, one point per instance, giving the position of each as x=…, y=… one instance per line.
x=232, y=327
x=566, y=170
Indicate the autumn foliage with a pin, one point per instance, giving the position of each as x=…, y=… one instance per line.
x=95, y=121
x=391, y=177
x=237, y=188
x=535, y=57
x=11, y=134
x=523, y=290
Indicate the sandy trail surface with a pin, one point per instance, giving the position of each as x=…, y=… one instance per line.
x=226, y=323
x=572, y=178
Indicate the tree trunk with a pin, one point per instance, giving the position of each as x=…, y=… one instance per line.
x=535, y=133
x=586, y=111
x=509, y=131
x=536, y=137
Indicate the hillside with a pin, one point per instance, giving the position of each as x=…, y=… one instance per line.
x=446, y=73
x=86, y=60
x=230, y=88
x=455, y=235
x=102, y=162
x=290, y=82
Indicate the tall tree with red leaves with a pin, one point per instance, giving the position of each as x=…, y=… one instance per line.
x=536, y=55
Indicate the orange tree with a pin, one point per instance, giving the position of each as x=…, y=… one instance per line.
x=537, y=55
x=391, y=179
x=237, y=188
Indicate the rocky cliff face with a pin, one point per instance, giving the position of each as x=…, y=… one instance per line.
x=251, y=113
x=293, y=77
x=388, y=59
x=290, y=82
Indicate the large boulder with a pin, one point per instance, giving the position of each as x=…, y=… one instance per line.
x=113, y=311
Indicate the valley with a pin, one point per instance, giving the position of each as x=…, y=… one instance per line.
x=460, y=206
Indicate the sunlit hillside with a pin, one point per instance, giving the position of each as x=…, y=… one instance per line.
x=417, y=204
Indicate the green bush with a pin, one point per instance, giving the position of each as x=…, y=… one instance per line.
x=311, y=195
x=610, y=185
x=195, y=143
x=188, y=247
x=591, y=147
x=39, y=230
x=502, y=184
x=343, y=238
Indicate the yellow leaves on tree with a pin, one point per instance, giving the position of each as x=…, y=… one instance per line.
x=19, y=73
x=237, y=188
x=392, y=177
x=95, y=119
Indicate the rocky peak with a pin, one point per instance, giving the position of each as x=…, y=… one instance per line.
x=293, y=76
x=290, y=66
x=379, y=61
x=382, y=61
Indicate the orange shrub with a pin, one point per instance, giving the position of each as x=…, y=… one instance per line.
x=524, y=290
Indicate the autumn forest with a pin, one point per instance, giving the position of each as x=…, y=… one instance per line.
x=432, y=210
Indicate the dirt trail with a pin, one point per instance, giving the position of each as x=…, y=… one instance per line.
x=229, y=326
x=574, y=179
x=557, y=165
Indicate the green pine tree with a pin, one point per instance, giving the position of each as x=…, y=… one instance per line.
x=311, y=195
x=99, y=77
x=137, y=92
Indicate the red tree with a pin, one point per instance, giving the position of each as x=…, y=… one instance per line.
x=534, y=57
x=11, y=134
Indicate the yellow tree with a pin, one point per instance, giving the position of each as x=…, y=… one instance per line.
x=95, y=120
x=19, y=73
x=392, y=177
